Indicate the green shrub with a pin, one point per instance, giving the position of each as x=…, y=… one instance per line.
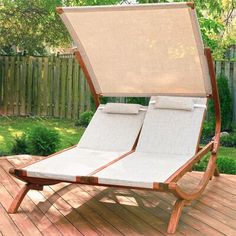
x=20, y=145
x=84, y=119
x=226, y=165
x=228, y=140
x=225, y=105
x=3, y=153
x=208, y=131
x=42, y=141
x=138, y=100
x=201, y=165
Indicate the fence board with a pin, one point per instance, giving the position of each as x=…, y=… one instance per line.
x=82, y=91
x=39, y=86
x=55, y=86
x=23, y=87
x=75, y=90
x=34, y=87
x=15, y=85
x=63, y=88
x=49, y=88
x=11, y=87
x=218, y=67
x=234, y=90
x=1, y=83
x=69, y=88
x=5, y=86
x=45, y=80
x=29, y=85
x=227, y=70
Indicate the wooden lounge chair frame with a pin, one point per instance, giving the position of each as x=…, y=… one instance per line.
x=170, y=185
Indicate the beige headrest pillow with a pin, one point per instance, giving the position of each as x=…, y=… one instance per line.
x=174, y=103
x=121, y=108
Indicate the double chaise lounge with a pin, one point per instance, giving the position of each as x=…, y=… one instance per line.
x=152, y=50
x=126, y=145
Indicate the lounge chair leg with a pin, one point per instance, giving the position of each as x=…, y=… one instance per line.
x=216, y=172
x=175, y=215
x=20, y=196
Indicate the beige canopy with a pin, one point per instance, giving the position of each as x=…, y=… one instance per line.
x=140, y=50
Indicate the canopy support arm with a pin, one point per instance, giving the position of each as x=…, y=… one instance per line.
x=216, y=99
x=96, y=96
x=181, y=194
x=183, y=197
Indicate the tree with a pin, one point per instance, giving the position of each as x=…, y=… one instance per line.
x=217, y=22
x=34, y=26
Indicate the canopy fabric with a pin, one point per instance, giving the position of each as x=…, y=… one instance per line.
x=141, y=50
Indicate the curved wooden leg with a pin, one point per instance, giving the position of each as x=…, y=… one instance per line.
x=20, y=196
x=175, y=215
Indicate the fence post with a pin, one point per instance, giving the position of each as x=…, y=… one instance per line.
x=234, y=91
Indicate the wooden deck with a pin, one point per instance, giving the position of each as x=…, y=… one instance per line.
x=68, y=209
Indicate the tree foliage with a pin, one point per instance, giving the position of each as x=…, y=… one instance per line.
x=35, y=26
x=217, y=22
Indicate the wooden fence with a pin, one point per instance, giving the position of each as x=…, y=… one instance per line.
x=55, y=86
x=42, y=86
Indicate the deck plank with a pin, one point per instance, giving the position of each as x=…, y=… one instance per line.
x=230, y=178
x=187, y=218
x=114, y=200
x=58, y=222
x=56, y=209
x=7, y=226
x=118, y=222
x=158, y=208
x=22, y=220
x=87, y=213
x=69, y=209
x=113, y=208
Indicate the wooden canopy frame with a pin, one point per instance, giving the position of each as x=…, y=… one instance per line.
x=171, y=184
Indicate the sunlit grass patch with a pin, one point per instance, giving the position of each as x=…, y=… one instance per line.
x=10, y=127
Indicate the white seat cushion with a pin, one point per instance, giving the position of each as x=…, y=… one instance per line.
x=107, y=137
x=168, y=131
x=68, y=165
x=168, y=139
x=141, y=169
x=112, y=132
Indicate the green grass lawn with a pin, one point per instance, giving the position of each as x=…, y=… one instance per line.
x=16, y=126
x=69, y=134
x=227, y=152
